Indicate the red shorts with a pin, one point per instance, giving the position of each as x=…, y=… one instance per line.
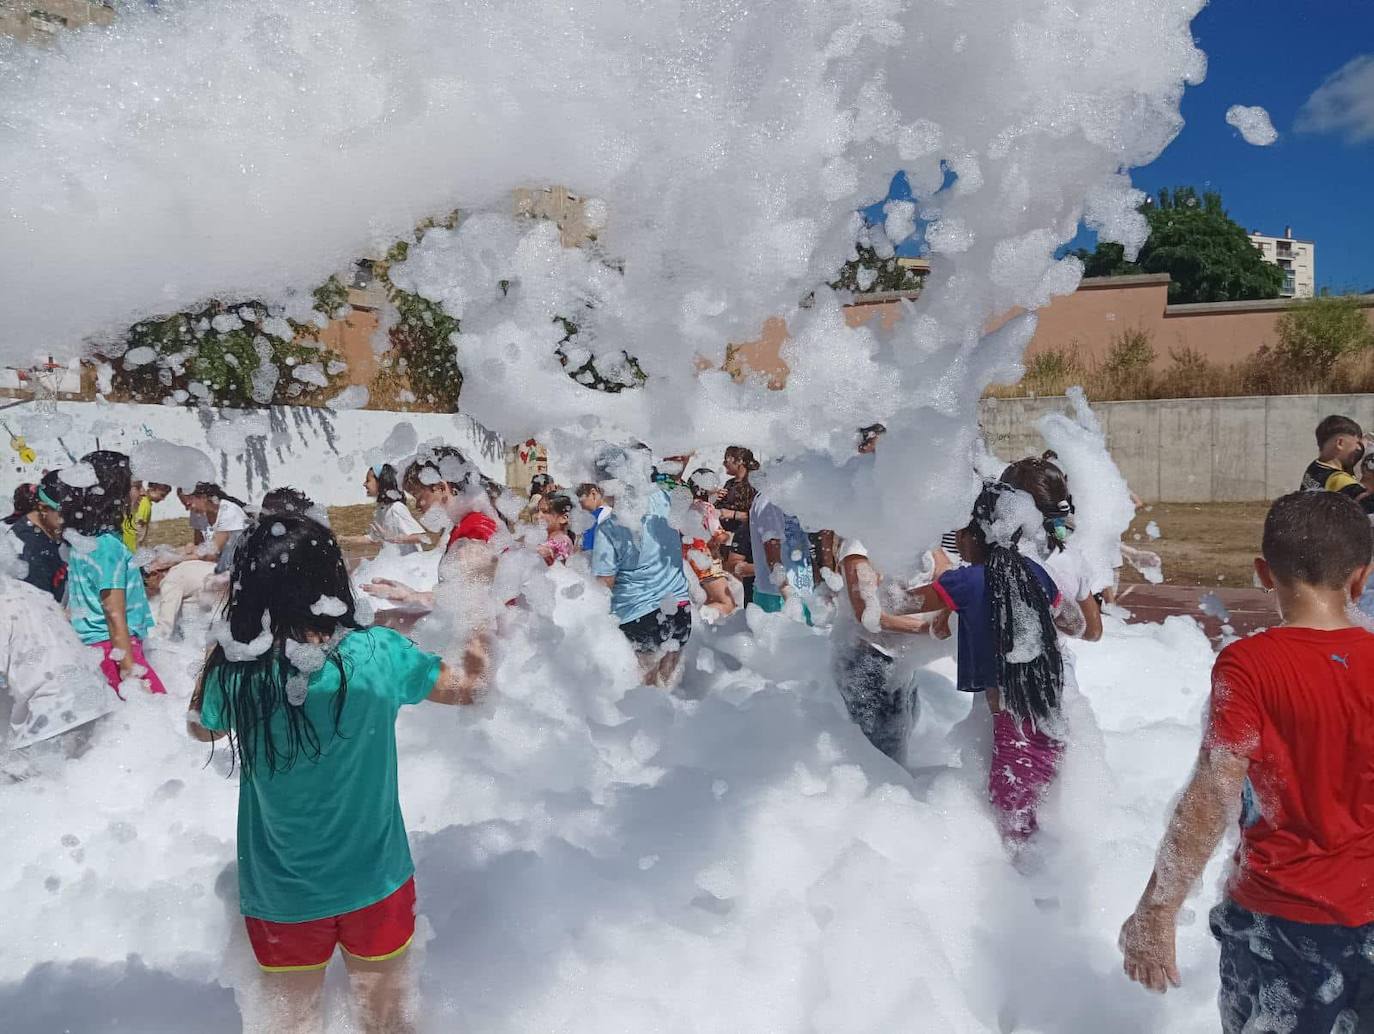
x=374, y=933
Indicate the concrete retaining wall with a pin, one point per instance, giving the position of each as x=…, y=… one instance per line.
x=1192, y=450
x=322, y=452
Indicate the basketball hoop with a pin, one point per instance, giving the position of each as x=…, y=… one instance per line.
x=45, y=381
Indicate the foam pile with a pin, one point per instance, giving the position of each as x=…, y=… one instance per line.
x=594, y=855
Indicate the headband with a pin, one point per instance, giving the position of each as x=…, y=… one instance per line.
x=47, y=500
x=377, y=469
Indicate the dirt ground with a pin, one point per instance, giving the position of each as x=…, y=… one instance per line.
x=1205, y=544
x=345, y=520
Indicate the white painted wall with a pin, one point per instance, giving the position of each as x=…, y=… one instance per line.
x=323, y=453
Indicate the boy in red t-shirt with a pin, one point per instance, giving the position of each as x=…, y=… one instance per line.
x=1291, y=732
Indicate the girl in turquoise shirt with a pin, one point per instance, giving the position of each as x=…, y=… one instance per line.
x=105, y=595
x=308, y=700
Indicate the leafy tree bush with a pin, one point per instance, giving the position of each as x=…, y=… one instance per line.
x=1206, y=253
x=1316, y=332
x=239, y=355
x=867, y=273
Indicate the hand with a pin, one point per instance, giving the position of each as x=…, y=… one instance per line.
x=375, y=532
x=387, y=589
x=1147, y=944
x=939, y=627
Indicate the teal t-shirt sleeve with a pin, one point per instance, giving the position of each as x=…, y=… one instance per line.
x=406, y=670
x=111, y=563
x=212, y=714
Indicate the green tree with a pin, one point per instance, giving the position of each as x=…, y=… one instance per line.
x=242, y=355
x=1316, y=332
x=867, y=273
x=1208, y=254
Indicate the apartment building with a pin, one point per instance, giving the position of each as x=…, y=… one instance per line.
x=1297, y=259
x=36, y=21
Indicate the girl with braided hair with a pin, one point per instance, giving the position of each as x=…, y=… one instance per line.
x=1008, y=651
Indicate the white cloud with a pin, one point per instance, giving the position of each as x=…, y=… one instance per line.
x=1344, y=104
x=1253, y=123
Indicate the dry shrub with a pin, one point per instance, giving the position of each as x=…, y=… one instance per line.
x=1128, y=372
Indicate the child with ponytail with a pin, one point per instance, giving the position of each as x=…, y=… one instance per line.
x=1008, y=651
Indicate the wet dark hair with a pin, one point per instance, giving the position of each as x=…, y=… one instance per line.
x=104, y=506
x=742, y=455
x=1316, y=538
x=52, y=486
x=539, y=483
x=25, y=499
x=1046, y=484
x=388, y=487
x=587, y=488
x=210, y=490
x=446, y=462
x=282, y=574
x=288, y=500
x=1336, y=425
x=559, y=504
x=1030, y=689
x=697, y=491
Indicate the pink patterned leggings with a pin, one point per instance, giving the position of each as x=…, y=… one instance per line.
x=1024, y=763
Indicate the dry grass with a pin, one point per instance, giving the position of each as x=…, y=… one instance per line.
x=345, y=520
x=1130, y=371
x=1204, y=544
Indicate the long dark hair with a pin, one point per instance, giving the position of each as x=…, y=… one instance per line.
x=740, y=454
x=288, y=500
x=283, y=567
x=1031, y=688
x=388, y=485
x=103, y=507
x=1044, y=482
x=445, y=463
x=210, y=490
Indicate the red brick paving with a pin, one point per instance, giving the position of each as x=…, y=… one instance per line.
x=1250, y=609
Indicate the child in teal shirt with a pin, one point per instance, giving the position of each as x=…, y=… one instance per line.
x=309, y=700
x=106, y=598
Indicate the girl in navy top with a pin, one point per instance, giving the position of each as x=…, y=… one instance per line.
x=1009, y=652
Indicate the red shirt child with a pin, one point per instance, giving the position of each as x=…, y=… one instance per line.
x=1299, y=704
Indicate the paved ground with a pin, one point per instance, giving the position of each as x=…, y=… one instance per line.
x=1245, y=610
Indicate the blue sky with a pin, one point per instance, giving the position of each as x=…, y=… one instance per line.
x=1276, y=54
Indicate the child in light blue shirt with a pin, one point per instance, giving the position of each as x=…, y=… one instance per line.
x=105, y=594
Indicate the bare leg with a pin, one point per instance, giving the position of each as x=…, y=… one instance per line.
x=293, y=1003
x=648, y=666
x=718, y=596
x=384, y=994
x=665, y=671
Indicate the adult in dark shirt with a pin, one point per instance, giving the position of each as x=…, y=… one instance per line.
x=732, y=506
x=40, y=535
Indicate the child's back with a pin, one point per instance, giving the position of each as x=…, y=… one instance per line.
x=325, y=836
x=1299, y=704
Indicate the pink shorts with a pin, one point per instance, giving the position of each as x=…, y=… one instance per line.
x=109, y=667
